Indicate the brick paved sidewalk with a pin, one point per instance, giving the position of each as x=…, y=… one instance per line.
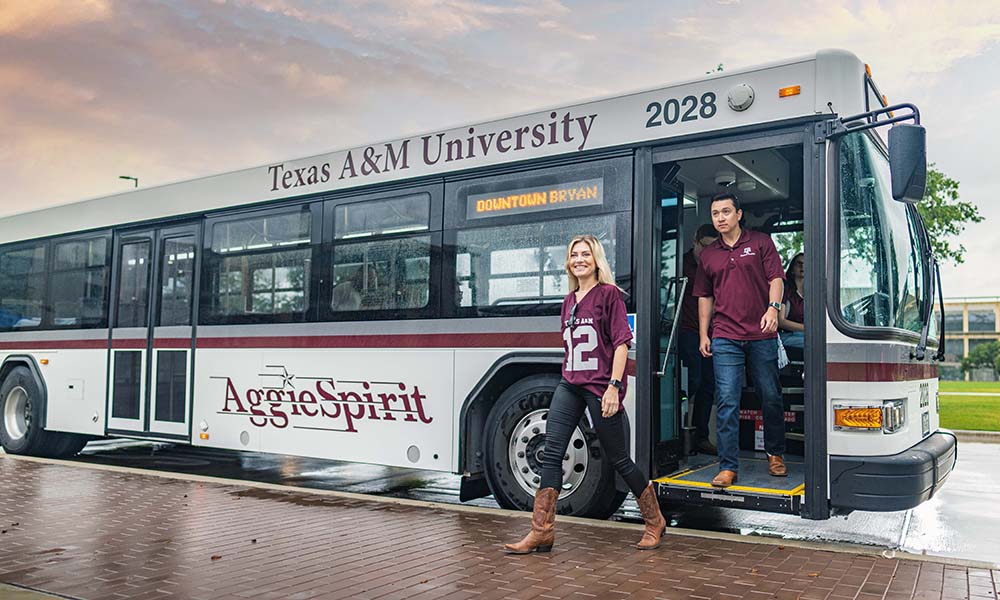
x=85, y=533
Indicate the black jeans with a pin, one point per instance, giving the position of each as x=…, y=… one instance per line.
x=568, y=404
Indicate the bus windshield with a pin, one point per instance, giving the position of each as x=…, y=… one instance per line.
x=882, y=264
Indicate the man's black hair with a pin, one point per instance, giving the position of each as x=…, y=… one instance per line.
x=726, y=196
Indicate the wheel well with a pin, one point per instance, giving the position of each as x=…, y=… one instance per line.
x=478, y=404
x=14, y=361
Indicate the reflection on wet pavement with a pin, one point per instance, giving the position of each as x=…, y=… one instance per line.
x=959, y=522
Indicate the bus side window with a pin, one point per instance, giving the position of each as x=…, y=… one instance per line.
x=22, y=286
x=390, y=269
x=79, y=283
x=259, y=267
x=521, y=265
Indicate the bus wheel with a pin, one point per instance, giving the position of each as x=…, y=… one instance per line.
x=513, y=444
x=20, y=432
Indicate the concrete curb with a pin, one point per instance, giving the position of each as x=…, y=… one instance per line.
x=839, y=547
x=988, y=437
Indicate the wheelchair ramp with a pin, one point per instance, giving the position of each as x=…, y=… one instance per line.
x=754, y=489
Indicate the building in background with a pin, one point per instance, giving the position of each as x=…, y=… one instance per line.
x=969, y=322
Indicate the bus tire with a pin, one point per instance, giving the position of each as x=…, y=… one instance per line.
x=514, y=437
x=20, y=399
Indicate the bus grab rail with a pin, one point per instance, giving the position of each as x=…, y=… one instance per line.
x=673, y=326
x=844, y=125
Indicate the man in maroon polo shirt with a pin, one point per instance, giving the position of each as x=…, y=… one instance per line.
x=739, y=289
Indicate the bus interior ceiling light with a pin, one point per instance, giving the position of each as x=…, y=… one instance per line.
x=725, y=178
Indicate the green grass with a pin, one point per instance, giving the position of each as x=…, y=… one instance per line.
x=978, y=413
x=970, y=386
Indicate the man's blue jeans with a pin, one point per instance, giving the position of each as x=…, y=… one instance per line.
x=730, y=358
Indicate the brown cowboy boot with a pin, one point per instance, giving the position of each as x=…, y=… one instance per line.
x=655, y=523
x=543, y=525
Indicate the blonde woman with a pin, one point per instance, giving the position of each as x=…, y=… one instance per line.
x=596, y=337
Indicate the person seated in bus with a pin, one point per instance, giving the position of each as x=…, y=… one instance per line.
x=791, y=320
x=596, y=337
x=701, y=379
x=739, y=289
x=354, y=293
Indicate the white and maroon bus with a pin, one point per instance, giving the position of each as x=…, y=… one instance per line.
x=398, y=303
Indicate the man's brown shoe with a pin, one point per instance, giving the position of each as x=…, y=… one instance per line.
x=776, y=466
x=724, y=479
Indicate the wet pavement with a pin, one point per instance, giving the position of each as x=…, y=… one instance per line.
x=95, y=531
x=961, y=522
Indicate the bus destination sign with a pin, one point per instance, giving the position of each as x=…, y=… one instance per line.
x=588, y=192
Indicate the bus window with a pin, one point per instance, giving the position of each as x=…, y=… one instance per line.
x=22, y=286
x=133, y=285
x=79, y=283
x=523, y=264
x=260, y=266
x=880, y=271
x=382, y=217
x=177, y=281
x=392, y=274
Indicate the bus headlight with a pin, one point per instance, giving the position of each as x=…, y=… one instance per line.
x=894, y=415
x=889, y=417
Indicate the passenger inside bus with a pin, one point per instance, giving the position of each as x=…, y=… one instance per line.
x=700, y=374
x=792, y=318
x=353, y=293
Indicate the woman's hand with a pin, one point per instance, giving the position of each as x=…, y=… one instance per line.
x=609, y=403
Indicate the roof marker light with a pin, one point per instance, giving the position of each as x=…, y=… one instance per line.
x=792, y=90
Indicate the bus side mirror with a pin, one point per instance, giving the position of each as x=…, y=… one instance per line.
x=908, y=162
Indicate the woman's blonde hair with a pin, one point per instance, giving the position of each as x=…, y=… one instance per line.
x=603, y=273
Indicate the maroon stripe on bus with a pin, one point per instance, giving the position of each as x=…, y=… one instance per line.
x=437, y=340
x=841, y=371
x=180, y=343
x=129, y=344
x=55, y=345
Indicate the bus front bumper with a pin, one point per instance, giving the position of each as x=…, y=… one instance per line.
x=896, y=482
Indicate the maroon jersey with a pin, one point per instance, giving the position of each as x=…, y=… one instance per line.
x=795, y=308
x=598, y=325
x=739, y=277
x=689, y=305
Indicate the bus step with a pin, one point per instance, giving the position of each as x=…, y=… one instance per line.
x=755, y=488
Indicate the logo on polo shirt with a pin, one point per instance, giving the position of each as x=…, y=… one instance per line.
x=748, y=251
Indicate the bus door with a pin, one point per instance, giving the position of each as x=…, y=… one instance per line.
x=667, y=248
x=151, y=353
x=767, y=172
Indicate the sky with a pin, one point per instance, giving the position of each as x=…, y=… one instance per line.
x=171, y=90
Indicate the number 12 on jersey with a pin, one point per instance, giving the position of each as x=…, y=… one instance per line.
x=579, y=340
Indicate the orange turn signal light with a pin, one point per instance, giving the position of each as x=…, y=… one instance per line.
x=203, y=435
x=858, y=418
x=44, y=361
x=792, y=90
x=868, y=70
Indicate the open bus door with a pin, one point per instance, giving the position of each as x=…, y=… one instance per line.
x=681, y=475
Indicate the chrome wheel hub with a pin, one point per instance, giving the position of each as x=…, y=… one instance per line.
x=17, y=413
x=527, y=443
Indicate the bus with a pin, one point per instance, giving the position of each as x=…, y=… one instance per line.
x=397, y=303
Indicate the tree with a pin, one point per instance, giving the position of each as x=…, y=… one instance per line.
x=983, y=355
x=945, y=216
